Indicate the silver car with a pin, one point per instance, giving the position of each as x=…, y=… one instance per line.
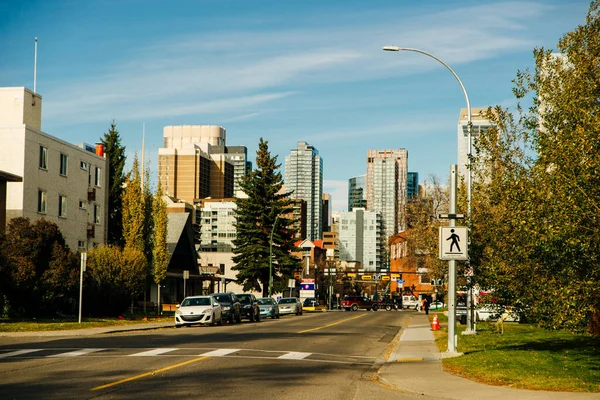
x=290, y=305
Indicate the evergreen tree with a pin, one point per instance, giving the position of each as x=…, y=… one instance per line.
x=260, y=216
x=116, y=177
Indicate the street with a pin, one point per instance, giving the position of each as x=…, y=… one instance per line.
x=332, y=355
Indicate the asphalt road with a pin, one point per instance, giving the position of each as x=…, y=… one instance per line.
x=333, y=355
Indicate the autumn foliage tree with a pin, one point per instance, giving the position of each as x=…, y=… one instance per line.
x=536, y=208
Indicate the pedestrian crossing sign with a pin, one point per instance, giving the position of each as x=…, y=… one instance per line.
x=454, y=243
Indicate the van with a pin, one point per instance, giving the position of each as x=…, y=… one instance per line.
x=411, y=302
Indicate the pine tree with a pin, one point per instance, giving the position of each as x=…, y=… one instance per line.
x=116, y=177
x=257, y=216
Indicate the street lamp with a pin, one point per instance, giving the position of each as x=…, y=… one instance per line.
x=452, y=263
x=271, y=256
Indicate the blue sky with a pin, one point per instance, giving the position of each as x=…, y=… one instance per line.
x=286, y=71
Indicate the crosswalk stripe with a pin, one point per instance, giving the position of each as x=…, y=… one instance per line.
x=150, y=353
x=76, y=353
x=219, y=353
x=294, y=355
x=18, y=352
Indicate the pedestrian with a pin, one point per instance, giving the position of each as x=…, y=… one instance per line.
x=426, y=306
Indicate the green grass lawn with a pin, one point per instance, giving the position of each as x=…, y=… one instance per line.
x=53, y=324
x=525, y=357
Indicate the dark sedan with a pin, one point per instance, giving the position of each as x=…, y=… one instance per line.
x=230, y=306
x=250, y=308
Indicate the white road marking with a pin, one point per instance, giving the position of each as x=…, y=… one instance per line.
x=150, y=353
x=76, y=353
x=219, y=353
x=18, y=352
x=294, y=355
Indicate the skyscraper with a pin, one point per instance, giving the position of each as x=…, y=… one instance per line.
x=357, y=192
x=304, y=176
x=386, y=189
x=412, y=185
x=359, y=234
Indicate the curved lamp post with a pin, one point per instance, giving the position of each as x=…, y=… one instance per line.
x=451, y=264
x=271, y=256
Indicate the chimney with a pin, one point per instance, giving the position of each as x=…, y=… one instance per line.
x=100, y=149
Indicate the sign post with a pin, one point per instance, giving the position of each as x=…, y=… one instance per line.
x=186, y=276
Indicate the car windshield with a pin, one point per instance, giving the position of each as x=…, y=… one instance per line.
x=266, y=301
x=287, y=301
x=223, y=298
x=197, y=301
x=244, y=298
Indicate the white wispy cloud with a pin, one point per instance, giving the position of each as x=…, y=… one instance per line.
x=239, y=72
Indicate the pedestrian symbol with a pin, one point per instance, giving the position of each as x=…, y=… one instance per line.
x=453, y=243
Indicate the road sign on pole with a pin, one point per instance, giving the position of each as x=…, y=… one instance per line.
x=453, y=243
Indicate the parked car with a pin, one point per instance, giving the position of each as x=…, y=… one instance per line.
x=198, y=310
x=492, y=312
x=355, y=302
x=249, y=307
x=268, y=307
x=290, y=305
x=310, y=302
x=230, y=306
x=436, y=305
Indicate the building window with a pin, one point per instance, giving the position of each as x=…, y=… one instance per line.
x=62, y=206
x=42, y=201
x=83, y=165
x=43, y=157
x=98, y=177
x=96, y=214
x=82, y=204
x=63, y=164
x=80, y=244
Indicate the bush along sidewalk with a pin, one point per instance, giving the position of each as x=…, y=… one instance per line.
x=524, y=357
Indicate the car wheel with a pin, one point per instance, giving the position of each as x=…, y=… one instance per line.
x=220, y=322
x=354, y=307
x=257, y=318
x=178, y=326
x=375, y=307
x=251, y=317
x=231, y=319
x=277, y=316
x=388, y=308
x=238, y=318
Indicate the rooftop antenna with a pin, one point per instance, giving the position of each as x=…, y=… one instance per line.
x=35, y=66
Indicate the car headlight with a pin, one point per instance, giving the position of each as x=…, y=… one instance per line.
x=226, y=308
x=208, y=311
x=247, y=306
x=177, y=312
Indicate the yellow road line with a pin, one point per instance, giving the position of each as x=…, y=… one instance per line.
x=148, y=374
x=335, y=323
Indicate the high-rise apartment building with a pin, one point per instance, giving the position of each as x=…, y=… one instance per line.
x=480, y=124
x=357, y=192
x=359, y=238
x=188, y=169
x=304, y=176
x=61, y=182
x=386, y=190
x=412, y=185
x=238, y=157
x=327, y=209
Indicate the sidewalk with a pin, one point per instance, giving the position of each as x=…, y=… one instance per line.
x=415, y=366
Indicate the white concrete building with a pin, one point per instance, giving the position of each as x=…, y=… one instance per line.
x=480, y=124
x=62, y=182
x=359, y=235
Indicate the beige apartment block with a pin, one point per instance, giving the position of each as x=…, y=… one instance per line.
x=61, y=182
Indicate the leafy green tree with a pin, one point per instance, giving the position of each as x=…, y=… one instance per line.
x=115, y=152
x=160, y=254
x=41, y=272
x=135, y=222
x=107, y=292
x=535, y=229
x=257, y=216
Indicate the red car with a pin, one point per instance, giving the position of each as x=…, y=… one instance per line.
x=355, y=302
